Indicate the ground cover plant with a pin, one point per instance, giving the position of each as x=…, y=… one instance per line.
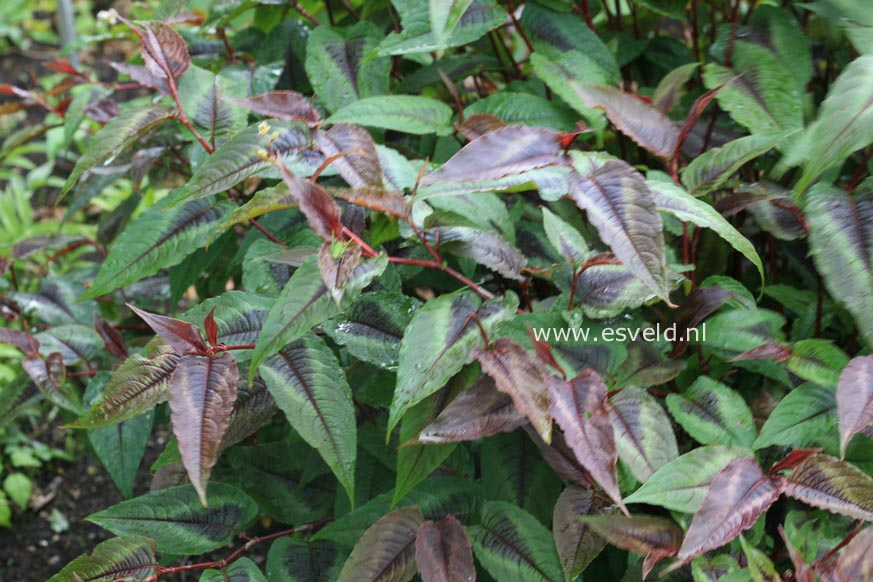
x=543, y=290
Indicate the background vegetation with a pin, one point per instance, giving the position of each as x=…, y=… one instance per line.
x=277, y=267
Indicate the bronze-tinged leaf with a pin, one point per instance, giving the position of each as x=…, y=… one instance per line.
x=181, y=335
x=386, y=550
x=316, y=204
x=561, y=458
x=701, y=303
x=111, y=337
x=143, y=76
x=20, y=339
x=802, y=571
x=443, y=552
x=620, y=205
x=579, y=408
x=202, y=395
x=285, y=105
x=479, y=124
x=856, y=559
x=833, y=485
x=478, y=412
x=855, y=399
x=49, y=375
x=336, y=271
x=518, y=373
x=164, y=51
x=737, y=497
x=576, y=542
x=484, y=247
x=376, y=199
x=655, y=538
x=139, y=383
x=359, y=163
x=254, y=407
x=508, y=151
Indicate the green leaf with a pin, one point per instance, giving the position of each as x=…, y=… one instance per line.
x=18, y=487
x=675, y=200
x=759, y=92
x=132, y=557
x=485, y=247
x=576, y=542
x=160, y=237
x=405, y=113
x=120, y=449
x=207, y=100
x=525, y=109
x=620, y=205
x=840, y=239
x=761, y=569
x=176, y=520
x=444, y=17
x=303, y=304
x=844, y=124
x=310, y=387
x=712, y=169
x=713, y=413
x=439, y=341
x=121, y=132
x=386, y=551
x=565, y=238
x=136, y=386
x=339, y=67
x=241, y=570
x=682, y=483
x=293, y=560
x=818, y=361
x=417, y=36
x=512, y=545
x=833, y=485
x=806, y=416
x=643, y=435
x=853, y=18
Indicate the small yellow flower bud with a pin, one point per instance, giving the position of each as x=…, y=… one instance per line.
x=264, y=128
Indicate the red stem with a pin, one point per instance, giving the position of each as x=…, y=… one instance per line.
x=518, y=27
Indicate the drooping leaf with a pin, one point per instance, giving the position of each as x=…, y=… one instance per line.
x=241, y=570
x=841, y=240
x=50, y=376
x=712, y=169
x=511, y=151
x=843, y=124
x=316, y=204
x=806, y=416
x=163, y=50
x=120, y=449
x=303, y=303
x=404, y=113
x=339, y=66
x=120, y=133
x=682, y=484
x=121, y=559
x=817, y=361
x=177, y=521
x=855, y=399
x=138, y=384
x=484, y=247
x=579, y=408
x=20, y=339
x=512, y=545
x=671, y=88
x=202, y=393
x=296, y=560
x=643, y=434
x=309, y=386
x=713, y=413
x=478, y=412
x=833, y=485
x=523, y=377
x=160, y=237
x=803, y=572
x=180, y=335
x=641, y=122
x=655, y=538
x=386, y=551
x=284, y=105
x=356, y=157
x=576, y=542
x=443, y=553
x=675, y=200
x=439, y=341
x=738, y=495
x=758, y=91
x=618, y=202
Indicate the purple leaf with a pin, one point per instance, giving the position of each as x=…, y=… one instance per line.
x=386, y=550
x=576, y=542
x=655, y=538
x=578, y=406
x=855, y=399
x=443, y=553
x=737, y=497
x=856, y=559
x=359, y=165
x=316, y=204
x=202, y=395
x=181, y=335
x=285, y=105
